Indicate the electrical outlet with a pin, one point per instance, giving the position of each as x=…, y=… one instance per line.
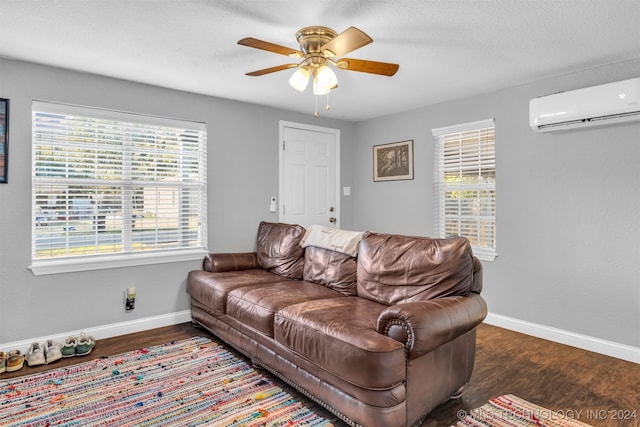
x=130, y=299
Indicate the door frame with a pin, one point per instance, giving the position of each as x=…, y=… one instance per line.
x=281, y=190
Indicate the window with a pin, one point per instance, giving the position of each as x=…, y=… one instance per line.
x=465, y=185
x=115, y=189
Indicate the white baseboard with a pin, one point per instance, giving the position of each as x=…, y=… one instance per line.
x=108, y=331
x=585, y=342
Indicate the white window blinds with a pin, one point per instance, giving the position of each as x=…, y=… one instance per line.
x=113, y=183
x=465, y=185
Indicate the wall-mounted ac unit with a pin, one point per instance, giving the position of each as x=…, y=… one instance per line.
x=610, y=103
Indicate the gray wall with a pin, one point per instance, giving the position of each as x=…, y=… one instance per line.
x=568, y=206
x=242, y=174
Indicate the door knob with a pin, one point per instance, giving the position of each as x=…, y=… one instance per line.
x=332, y=219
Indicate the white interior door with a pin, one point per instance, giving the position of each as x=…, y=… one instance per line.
x=309, y=175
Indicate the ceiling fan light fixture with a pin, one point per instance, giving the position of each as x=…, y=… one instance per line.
x=319, y=89
x=326, y=77
x=300, y=79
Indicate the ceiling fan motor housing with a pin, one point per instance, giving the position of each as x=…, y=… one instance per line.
x=311, y=39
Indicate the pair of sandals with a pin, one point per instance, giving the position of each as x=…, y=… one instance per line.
x=12, y=361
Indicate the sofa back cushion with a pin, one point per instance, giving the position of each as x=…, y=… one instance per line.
x=278, y=249
x=394, y=269
x=333, y=269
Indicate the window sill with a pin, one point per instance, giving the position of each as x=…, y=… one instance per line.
x=39, y=268
x=485, y=255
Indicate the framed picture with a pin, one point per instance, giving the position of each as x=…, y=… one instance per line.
x=392, y=162
x=4, y=139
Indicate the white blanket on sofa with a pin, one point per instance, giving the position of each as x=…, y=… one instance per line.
x=346, y=242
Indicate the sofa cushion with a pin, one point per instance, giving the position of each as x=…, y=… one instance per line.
x=339, y=335
x=211, y=289
x=256, y=305
x=399, y=269
x=329, y=268
x=278, y=249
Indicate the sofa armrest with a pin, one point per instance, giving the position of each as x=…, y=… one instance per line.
x=230, y=262
x=422, y=326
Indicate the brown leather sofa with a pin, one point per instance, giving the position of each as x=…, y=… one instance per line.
x=379, y=339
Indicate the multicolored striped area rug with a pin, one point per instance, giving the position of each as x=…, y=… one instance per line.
x=185, y=383
x=511, y=411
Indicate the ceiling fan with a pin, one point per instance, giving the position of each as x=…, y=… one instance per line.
x=319, y=48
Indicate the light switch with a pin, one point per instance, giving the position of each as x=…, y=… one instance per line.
x=346, y=191
x=272, y=205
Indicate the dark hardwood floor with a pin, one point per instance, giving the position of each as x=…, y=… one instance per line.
x=590, y=387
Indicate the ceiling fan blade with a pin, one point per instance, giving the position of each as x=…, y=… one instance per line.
x=271, y=70
x=347, y=41
x=270, y=47
x=373, y=67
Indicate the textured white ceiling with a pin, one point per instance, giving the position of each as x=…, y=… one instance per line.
x=446, y=49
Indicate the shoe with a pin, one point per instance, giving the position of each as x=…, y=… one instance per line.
x=69, y=347
x=3, y=362
x=15, y=361
x=52, y=351
x=35, y=355
x=85, y=344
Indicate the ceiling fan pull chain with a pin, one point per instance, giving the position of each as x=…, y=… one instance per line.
x=316, y=113
x=327, y=107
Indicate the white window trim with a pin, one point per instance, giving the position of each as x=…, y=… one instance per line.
x=67, y=265
x=129, y=259
x=483, y=254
